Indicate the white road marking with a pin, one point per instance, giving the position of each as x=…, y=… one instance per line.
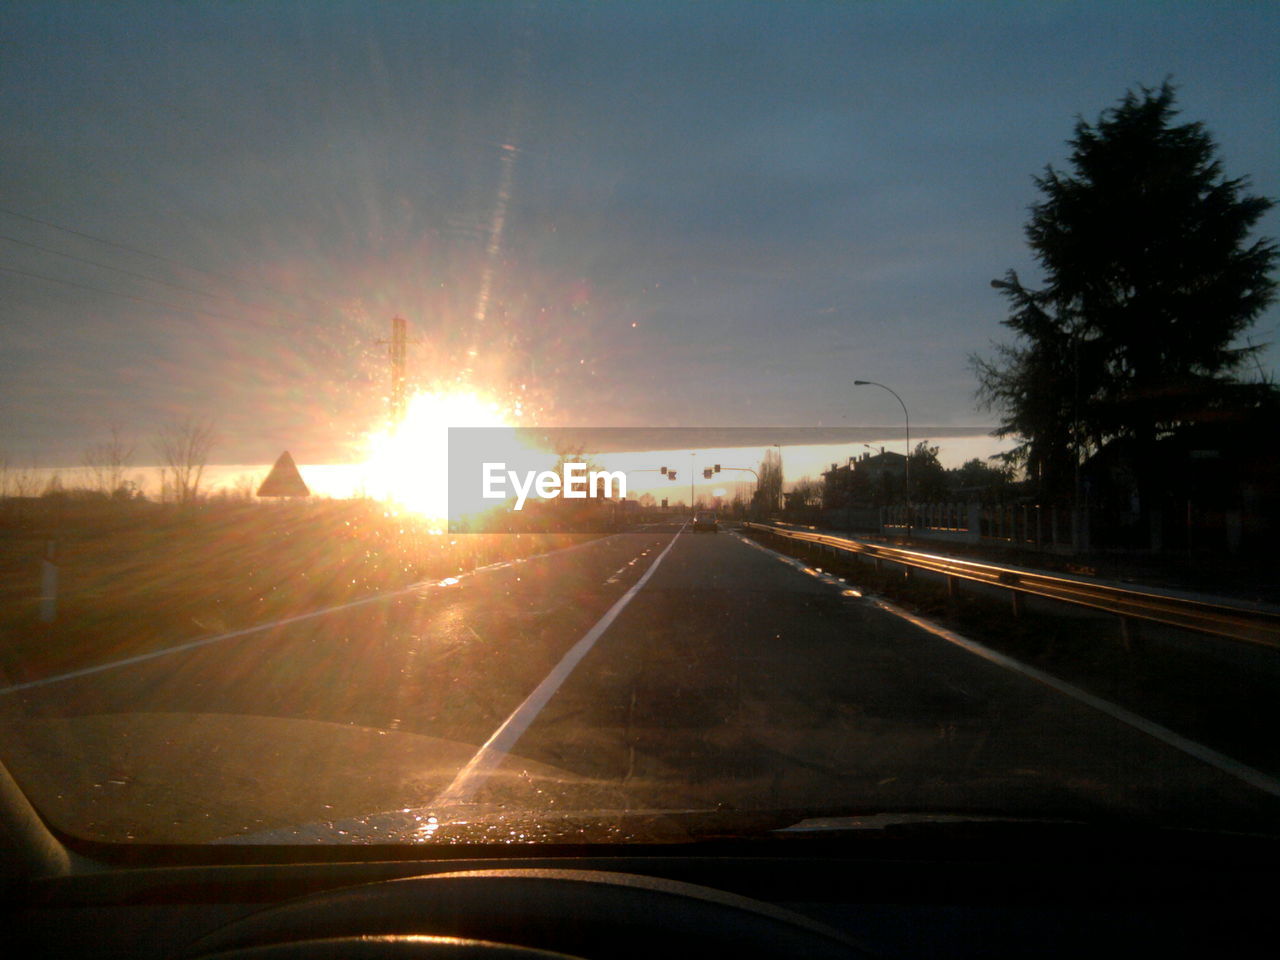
x=259, y=628
x=471, y=777
x=1241, y=771
x=1255, y=778
x=193, y=644
x=617, y=574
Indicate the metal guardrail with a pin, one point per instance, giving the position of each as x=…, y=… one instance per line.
x=1249, y=624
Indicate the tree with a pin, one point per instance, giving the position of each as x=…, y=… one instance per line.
x=928, y=478
x=184, y=447
x=808, y=492
x=54, y=487
x=569, y=453
x=245, y=485
x=18, y=481
x=106, y=463
x=769, y=488
x=981, y=481
x=1150, y=280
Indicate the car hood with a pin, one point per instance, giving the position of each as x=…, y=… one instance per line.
x=200, y=778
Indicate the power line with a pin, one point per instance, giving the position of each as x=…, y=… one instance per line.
x=142, y=276
x=156, y=256
x=114, y=293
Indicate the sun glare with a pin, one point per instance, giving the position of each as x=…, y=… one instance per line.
x=407, y=465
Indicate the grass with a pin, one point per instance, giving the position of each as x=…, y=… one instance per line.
x=134, y=577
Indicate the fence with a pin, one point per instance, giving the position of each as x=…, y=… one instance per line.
x=1023, y=526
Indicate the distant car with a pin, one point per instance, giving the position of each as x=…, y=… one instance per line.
x=705, y=521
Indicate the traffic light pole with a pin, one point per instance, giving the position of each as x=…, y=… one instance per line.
x=707, y=474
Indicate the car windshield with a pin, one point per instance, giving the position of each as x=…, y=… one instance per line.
x=366, y=370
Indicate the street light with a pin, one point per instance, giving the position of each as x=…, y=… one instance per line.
x=906, y=470
x=692, y=506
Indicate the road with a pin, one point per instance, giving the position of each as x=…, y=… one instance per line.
x=704, y=674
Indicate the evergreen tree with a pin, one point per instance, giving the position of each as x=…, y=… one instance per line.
x=1150, y=280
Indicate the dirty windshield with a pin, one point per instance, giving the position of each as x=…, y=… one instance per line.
x=637, y=422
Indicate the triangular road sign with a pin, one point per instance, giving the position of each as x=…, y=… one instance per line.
x=284, y=480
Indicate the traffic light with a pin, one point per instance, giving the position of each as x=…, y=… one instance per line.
x=671, y=474
x=717, y=468
x=663, y=471
x=706, y=474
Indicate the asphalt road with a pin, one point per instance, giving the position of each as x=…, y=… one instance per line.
x=705, y=674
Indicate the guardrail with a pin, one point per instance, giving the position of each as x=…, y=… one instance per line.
x=1250, y=624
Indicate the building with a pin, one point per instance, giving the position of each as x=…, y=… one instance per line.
x=869, y=478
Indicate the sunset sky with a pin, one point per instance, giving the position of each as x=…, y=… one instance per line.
x=616, y=214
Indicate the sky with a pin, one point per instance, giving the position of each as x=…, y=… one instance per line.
x=639, y=214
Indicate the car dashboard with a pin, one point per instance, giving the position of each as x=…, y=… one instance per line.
x=890, y=893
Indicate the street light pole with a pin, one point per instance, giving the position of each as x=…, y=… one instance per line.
x=906, y=469
x=781, y=481
x=692, y=465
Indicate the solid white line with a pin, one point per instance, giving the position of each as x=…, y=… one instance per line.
x=478, y=768
x=1255, y=778
x=259, y=628
x=193, y=644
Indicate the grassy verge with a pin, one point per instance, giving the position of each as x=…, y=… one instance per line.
x=137, y=576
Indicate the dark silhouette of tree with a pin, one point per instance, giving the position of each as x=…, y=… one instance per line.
x=808, y=492
x=975, y=479
x=769, y=489
x=105, y=463
x=1150, y=281
x=928, y=478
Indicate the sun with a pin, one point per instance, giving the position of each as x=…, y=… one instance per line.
x=407, y=465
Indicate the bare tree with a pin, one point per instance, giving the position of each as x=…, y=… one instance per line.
x=106, y=463
x=810, y=491
x=769, y=487
x=16, y=481
x=184, y=447
x=244, y=487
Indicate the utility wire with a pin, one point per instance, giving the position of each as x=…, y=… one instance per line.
x=155, y=256
x=114, y=293
x=150, y=279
